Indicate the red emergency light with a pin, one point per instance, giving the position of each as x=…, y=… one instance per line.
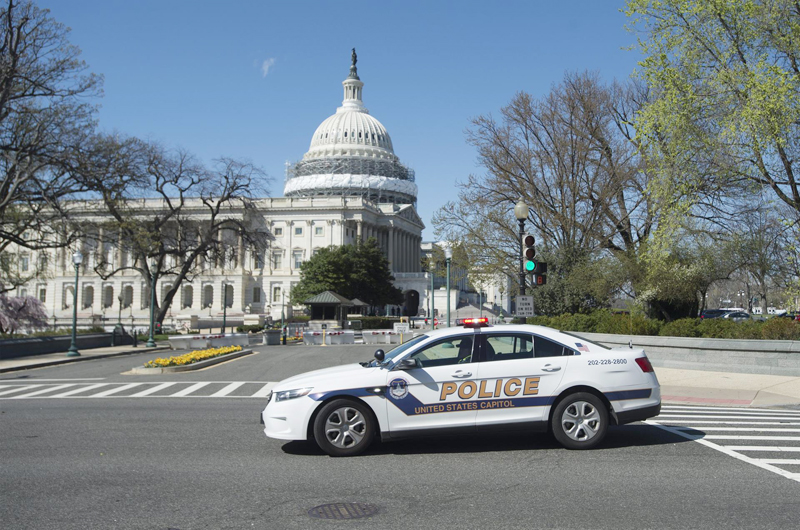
x=476, y=322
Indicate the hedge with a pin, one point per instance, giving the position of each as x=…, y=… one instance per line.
x=377, y=322
x=605, y=321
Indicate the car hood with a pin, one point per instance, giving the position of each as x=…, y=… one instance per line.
x=335, y=376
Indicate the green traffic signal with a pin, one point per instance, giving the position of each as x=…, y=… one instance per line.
x=530, y=266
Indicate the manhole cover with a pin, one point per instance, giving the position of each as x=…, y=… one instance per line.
x=343, y=510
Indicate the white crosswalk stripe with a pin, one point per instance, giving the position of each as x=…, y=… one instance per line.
x=154, y=389
x=717, y=427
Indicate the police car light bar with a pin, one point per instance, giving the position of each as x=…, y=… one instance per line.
x=476, y=322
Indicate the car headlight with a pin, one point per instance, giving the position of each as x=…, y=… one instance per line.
x=291, y=394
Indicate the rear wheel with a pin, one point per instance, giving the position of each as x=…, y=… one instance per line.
x=580, y=421
x=344, y=428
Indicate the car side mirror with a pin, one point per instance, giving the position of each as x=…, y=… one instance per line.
x=380, y=355
x=407, y=364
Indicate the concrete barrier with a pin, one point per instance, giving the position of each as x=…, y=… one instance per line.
x=772, y=357
x=202, y=342
x=386, y=336
x=334, y=336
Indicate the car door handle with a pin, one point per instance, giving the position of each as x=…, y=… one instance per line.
x=459, y=373
x=551, y=368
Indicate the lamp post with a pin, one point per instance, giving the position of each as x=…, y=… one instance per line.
x=448, y=255
x=120, y=298
x=151, y=340
x=224, y=305
x=521, y=213
x=283, y=317
x=432, y=315
x=77, y=258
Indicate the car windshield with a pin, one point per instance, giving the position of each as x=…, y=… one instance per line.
x=400, y=350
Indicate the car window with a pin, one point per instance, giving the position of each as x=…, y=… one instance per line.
x=452, y=350
x=508, y=346
x=547, y=348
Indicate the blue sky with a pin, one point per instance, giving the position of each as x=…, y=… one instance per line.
x=192, y=74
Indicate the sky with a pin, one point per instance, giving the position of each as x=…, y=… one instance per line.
x=254, y=79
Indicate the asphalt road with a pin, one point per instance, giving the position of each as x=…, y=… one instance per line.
x=201, y=461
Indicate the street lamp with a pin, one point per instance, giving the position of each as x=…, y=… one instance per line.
x=283, y=316
x=224, y=305
x=521, y=213
x=77, y=258
x=432, y=315
x=448, y=255
x=151, y=340
x=120, y=298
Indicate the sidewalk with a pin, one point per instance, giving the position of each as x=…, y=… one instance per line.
x=52, y=359
x=681, y=386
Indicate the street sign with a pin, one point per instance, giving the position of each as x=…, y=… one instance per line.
x=525, y=306
x=402, y=327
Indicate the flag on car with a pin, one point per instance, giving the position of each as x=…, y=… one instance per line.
x=582, y=347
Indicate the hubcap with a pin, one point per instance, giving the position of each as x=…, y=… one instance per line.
x=345, y=427
x=580, y=421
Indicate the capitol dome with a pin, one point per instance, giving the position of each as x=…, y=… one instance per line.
x=351, y=154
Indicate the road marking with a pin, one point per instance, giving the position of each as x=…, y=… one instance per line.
x=695, y=417
x=19, y=379
x=43, y=391
x=227, y=390
x=152, y=390
x=729, y=452
x=264, y=392
x=737, y=429
x=78, y=390
x=114, y=390
x=783, y=462
x=187, y=391
x=721, y=409
x=18, y=389
x=732, y=437
x=683, y=422
x=763, y=448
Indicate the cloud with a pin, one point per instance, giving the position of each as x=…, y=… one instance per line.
x=266, y=65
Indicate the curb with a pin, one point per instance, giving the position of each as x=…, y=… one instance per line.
x=68, y=360
x=141, y=370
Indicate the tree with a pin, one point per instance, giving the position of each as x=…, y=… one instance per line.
x=726, y=116
x=45, y=117
x=572, y=157
x=21, y=312
x=353, y=271
x=171, y=215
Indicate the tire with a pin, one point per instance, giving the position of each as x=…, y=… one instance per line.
x=344, y=427
x=580, y=421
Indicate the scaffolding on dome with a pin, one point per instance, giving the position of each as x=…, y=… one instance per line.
x=350, y=165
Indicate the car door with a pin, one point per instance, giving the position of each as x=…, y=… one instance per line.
x=519, y=376
x=439, y=392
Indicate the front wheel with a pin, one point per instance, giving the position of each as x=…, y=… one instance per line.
x=580, y=421
x=344, y=428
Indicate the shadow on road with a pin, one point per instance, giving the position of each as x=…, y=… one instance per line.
x=634, y=435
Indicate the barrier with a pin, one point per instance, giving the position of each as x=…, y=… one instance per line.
x=386, y=336
x=333, y=337
x=196, y=342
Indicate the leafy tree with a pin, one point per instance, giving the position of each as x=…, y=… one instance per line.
x=353, y=271
x=21, y=312
x=45, y=116
x=726, y=113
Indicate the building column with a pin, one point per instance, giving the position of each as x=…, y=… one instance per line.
x=391, y=248
x=359, y=231
x=240, y=252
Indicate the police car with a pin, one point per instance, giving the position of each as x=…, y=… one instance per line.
x=474, y=378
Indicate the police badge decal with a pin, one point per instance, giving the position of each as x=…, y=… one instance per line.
x=398, y=388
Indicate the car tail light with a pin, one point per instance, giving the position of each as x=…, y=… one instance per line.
x=644, y=364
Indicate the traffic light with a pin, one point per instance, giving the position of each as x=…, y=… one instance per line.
x=540, y=277
x=528, y=252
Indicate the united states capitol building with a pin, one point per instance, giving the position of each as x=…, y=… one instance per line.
x=348, y=187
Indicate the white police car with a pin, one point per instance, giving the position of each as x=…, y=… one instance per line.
x=474, y=378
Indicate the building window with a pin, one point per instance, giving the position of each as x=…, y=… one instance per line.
x=127, y=293
x=88, y=297
x=42, y=262
x=42, y=294
x=319, y=231
x=279, y=231
x=297, y=257
x=276, y=294
x=277, y=260
x=298, y=230
x=208, y=296
x=108, y=296
x=23, y=263
x=188, y=296
x=258, y=259
x=257, y=295
x=23, y=293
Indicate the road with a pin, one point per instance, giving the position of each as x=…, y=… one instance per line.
x=85, y=446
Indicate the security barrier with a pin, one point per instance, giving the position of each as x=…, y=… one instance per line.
x=326, y=338
x=195, y=342
x=386, y=336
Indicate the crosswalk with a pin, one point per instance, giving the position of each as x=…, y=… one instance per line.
x=766, y=438
x=171, y=389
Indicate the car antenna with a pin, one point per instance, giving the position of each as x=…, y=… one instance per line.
x=630, y=344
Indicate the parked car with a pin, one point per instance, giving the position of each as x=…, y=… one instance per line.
x=737, y=316
x=713, y=313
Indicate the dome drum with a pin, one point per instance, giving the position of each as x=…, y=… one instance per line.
x=351, y=166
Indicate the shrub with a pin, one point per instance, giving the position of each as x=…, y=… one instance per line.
x=378, y=322
x=254, y=328
x=684, y=327
x=780, y=329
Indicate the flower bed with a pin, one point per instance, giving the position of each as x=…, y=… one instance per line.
x=191, y=357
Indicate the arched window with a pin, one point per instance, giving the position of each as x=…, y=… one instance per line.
x=69, y=295
x=88, y=297
x=188, y=296
x=208, y=296
x=127, y=296
x=229, y=295
x=108, y=297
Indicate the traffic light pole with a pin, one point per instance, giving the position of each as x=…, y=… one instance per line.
x=521, y=258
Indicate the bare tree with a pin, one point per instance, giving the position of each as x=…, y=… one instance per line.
x=44, y=118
